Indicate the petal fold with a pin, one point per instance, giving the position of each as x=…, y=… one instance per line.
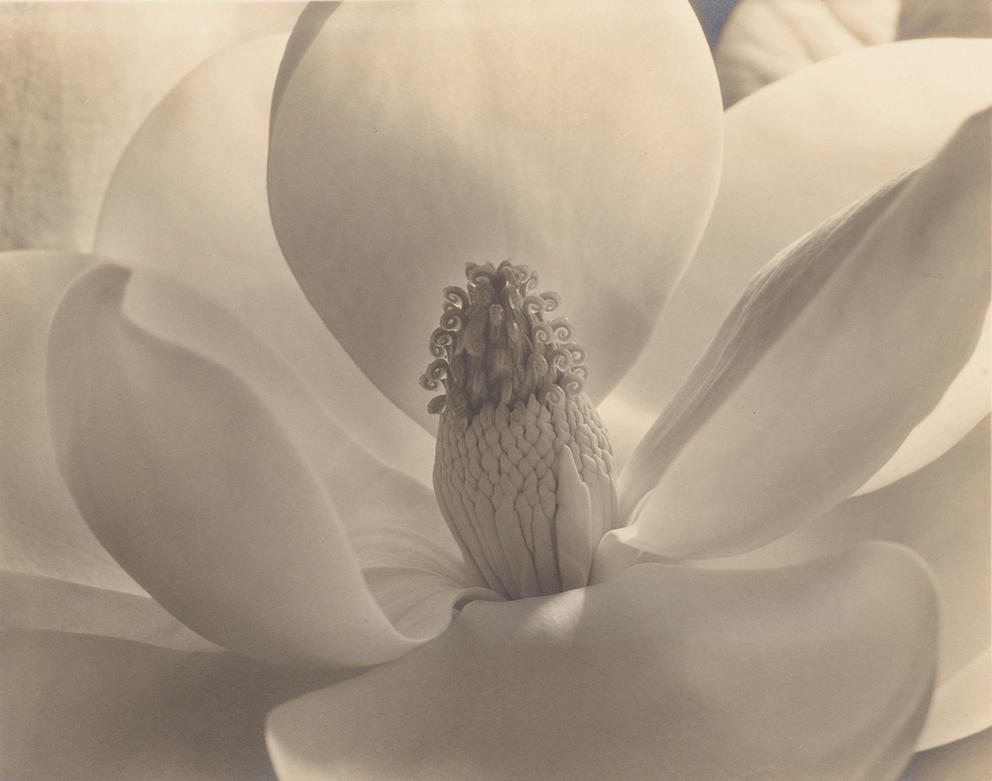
x=941, y=512
x=41, y=531
x=834, y=353
x=794, y=154
x=191, y=483
x=34, y=602
x=820, y=671
x=188, y=198
x=577, y=138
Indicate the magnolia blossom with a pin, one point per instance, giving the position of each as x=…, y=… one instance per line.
x=260, y=463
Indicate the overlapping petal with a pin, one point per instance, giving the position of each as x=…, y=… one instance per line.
x=965, y=760
x=205, y=488
x=188, y=197
x=942, y=512
x=836, y=350
x=766, y=40
x=35, y=602
x=581, y=139
x=80, y=707
x=794, y=154
x=41, y=531
x=684, y=673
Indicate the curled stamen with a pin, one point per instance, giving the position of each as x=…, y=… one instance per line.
x=452, y=320
x=437, y=370
x=497, y=345
x=562, y=329
x=533, y=306
x=560, y=359
x=572, y=383
x=542, y=334
x=455, y=296
x=551, y=394
x=577, y=353
x=551, y=301
x=479, y=275
x=427, y=383
x=440, y=343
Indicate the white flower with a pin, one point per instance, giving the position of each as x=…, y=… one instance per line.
x=235, y=463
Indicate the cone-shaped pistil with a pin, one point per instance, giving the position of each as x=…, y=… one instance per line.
x=524, y=471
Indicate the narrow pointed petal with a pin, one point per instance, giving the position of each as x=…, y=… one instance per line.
x=77, y=81
x=190, y=482
x=78, y=707
x=189, y=198
x=835, y=352
x=576, y=138
x=796, y=153
x=34, y=602
x=41, y=531
x=820, y=671
x=942, y=513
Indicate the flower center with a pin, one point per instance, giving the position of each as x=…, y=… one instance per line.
x=524, y=472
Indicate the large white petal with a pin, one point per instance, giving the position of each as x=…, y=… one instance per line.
x=836, y=350
x=941, y=512
x=815, y=672
x=41, y=531
x=188, y=197
x=795, y=153
x=410, y=560
x=79, y=707
x=198, y=486
x=580, y=138
x=78, y=79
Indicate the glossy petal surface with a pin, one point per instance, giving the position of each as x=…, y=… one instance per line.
x=41, y=531
x=188, y=197
x=827, y=676
x=392, y=520
x=795, y=153
x=191, y=482
x=576, y=138
x=836, y=350
x=79, y=707
x=942, y=512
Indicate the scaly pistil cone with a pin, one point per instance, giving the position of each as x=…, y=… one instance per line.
x=524, y=471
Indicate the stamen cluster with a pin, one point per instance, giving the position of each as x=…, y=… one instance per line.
x=523, y=472
x=493, y=343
